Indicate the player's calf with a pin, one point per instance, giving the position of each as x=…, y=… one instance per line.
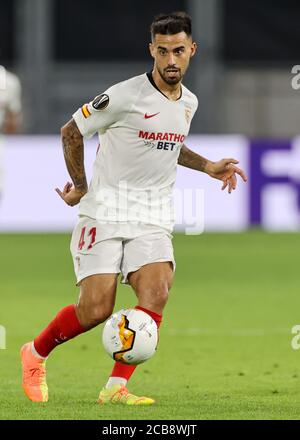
x=93, y=314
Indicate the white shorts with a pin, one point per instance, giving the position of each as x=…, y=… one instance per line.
x=117, y=248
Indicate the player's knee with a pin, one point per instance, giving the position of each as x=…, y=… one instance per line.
x=93, y=314
x=156, y=295
x=161, y=294
x=99, y=314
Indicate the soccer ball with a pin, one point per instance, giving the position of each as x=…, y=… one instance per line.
x=130, y=336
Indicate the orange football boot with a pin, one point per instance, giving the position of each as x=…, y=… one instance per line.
x=34, y=375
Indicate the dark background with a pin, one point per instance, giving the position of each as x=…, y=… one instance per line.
x=261, y=31
x=251, y=31
x=7, y=30
x=115, y=32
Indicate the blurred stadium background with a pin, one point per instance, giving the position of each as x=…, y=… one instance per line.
x=243, y=286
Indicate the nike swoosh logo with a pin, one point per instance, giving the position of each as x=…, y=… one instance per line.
x=151, y=116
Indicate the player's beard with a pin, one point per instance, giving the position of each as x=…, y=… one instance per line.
x=171, y=76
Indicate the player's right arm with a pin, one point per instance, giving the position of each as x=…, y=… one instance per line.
x=96, y=116
x=73, y=148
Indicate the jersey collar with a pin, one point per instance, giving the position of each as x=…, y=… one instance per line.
x=150, y=77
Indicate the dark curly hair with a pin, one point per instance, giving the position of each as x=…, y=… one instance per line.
x=170, y=24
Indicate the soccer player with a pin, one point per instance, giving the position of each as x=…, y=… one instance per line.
x=10, y=106
x=125, y=216
x=10, y=102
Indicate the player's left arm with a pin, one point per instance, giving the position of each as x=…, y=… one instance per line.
x=224, y=170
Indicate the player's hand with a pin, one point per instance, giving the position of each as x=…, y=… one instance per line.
x=226, y=170
x=70, y=195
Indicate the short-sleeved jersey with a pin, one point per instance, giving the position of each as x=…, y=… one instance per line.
x=140, y=132
x=10, y=94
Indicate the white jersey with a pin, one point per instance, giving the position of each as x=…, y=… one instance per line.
x=10, y=101
x=140, y=133
x=10, y=94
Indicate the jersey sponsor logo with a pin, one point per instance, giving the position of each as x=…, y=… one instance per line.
x=100, y=102
x=166, y=141
x=169, y=137
x=85, y=111
x=151, y=116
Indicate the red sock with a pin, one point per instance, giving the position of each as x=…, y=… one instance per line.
x=64, y=326
x=125, y=371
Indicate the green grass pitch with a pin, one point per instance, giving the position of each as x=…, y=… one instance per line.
x=225, y=343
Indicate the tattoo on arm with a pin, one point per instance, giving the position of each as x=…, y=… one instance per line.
x=190, y=159
x=73, y=148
